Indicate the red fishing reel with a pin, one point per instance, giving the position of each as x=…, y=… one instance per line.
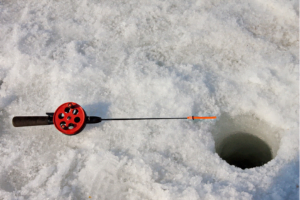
x=69, y=118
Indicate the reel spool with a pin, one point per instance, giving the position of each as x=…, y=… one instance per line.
x=69, y=118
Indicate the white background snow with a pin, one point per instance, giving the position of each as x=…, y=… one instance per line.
x=234, y=59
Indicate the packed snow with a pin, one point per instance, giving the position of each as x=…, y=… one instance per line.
x=237, y=60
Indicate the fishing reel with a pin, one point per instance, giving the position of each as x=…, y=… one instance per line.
x=70, y=119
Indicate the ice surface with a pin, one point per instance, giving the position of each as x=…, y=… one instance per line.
x=158, y=58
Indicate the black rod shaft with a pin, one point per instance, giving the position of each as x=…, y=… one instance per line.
x=140, y=118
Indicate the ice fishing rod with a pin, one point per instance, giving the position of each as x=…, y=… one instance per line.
x=70, y=119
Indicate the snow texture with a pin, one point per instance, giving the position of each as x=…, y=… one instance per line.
x=234, y=59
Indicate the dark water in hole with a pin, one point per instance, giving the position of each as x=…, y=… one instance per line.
x=244, y=150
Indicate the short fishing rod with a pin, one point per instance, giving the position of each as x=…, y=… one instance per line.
x=70, y=118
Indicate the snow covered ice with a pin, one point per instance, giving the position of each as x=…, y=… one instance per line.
x=237, y=60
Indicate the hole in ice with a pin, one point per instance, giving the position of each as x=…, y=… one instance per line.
x=245, y=140
x=244, y=150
